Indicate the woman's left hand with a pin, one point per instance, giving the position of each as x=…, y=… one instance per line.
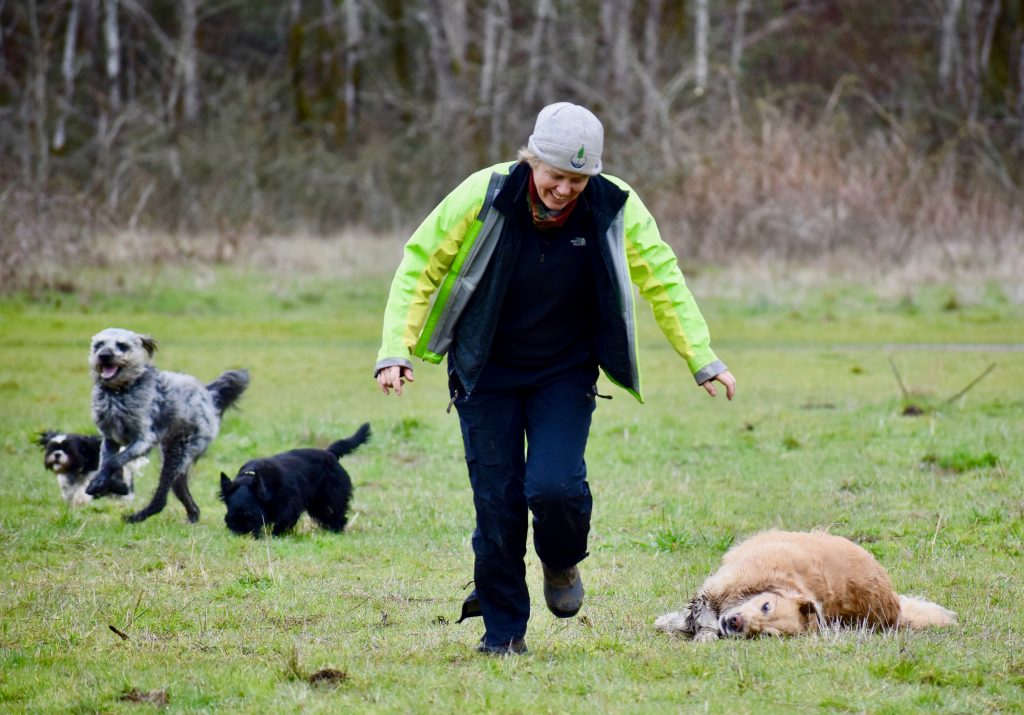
x=726, y=378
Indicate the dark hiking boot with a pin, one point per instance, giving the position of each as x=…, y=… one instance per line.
x=563, y=591
x=516, y=646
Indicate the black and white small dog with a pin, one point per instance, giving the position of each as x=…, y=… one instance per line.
x=74, y=458
x=274, y=491
x=137, y=406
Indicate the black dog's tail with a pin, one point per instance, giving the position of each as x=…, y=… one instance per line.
x=343, y=446
x=227, y=388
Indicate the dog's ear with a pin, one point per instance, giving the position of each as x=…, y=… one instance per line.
x=149, y=344
x=260, y=487
x=43, y=438
x=810, y=609
x=226, y=486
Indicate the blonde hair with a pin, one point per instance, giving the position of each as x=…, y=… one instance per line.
x=527, y=156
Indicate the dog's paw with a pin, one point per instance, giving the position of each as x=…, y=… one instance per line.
x=117, y=487
x=677, y=622
x=136, y=517
x=706, y=635
x=99, y=486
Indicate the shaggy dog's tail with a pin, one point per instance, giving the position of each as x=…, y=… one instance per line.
x=917, y=613
x=344, y=446
x=227, y=388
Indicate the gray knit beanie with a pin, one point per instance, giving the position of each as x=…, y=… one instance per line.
x=568, y=137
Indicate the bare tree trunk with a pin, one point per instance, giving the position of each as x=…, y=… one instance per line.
x=651, y=113
x=488, y=71
x=990, y=33
x=615, y=34
x=579, y=47
x=455, y=19
x=1020, y=96
x=187, y=61
x=658, y=131
x=296, y=73
x=3, y=57
x=353, y=49
x=612, y=91
x=701, y=47
x=34, y=104
x=431, y=19
x=67, y=70
x=949, y=48
x=621, y=49
x=970, y=81
x=652, y=26
x=983, y=55
x=736, y=59
x=496, y=48
x=113, y=43
x=537, y=52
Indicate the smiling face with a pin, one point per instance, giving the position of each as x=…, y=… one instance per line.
x=118, y=357
x=770, y=614
x=557, y=188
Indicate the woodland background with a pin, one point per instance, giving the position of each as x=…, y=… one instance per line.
x=841, y=180
x=863, y=132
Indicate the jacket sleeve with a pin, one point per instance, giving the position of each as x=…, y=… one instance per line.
x=427, y=257
x=653, y=268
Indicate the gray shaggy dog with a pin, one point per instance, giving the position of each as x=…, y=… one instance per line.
x=136, y=406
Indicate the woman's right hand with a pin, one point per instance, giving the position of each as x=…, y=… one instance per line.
x=392, y=378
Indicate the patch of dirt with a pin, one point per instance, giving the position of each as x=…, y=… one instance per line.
x=330, y=677
x=153, y=697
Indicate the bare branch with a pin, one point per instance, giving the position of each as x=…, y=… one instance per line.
x=899, y=379
x=971, y=384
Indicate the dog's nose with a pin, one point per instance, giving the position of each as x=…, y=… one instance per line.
x=733, y=623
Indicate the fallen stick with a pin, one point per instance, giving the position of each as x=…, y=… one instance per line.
x=973, y=382
x=899, y=380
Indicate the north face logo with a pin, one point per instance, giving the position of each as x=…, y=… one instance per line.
x=579, y=241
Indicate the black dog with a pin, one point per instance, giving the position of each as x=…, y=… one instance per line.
x=74, y=458
x=276, y=490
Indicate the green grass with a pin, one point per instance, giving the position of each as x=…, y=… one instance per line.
x=815, y=437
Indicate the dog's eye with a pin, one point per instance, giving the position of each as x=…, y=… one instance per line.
x=765, y=607
x=123, y=347
x=96, y=347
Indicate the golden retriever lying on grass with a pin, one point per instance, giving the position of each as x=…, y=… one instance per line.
x=784, y=582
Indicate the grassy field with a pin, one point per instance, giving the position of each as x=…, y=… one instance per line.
x=365, y=621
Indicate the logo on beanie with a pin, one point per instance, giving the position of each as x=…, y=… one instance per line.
x=579, y=160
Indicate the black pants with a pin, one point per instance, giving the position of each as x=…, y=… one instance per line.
x=525, y=433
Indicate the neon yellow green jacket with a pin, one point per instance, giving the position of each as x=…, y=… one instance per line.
x=448, y=255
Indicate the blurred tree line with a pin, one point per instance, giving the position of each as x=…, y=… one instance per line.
x=227, y=115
